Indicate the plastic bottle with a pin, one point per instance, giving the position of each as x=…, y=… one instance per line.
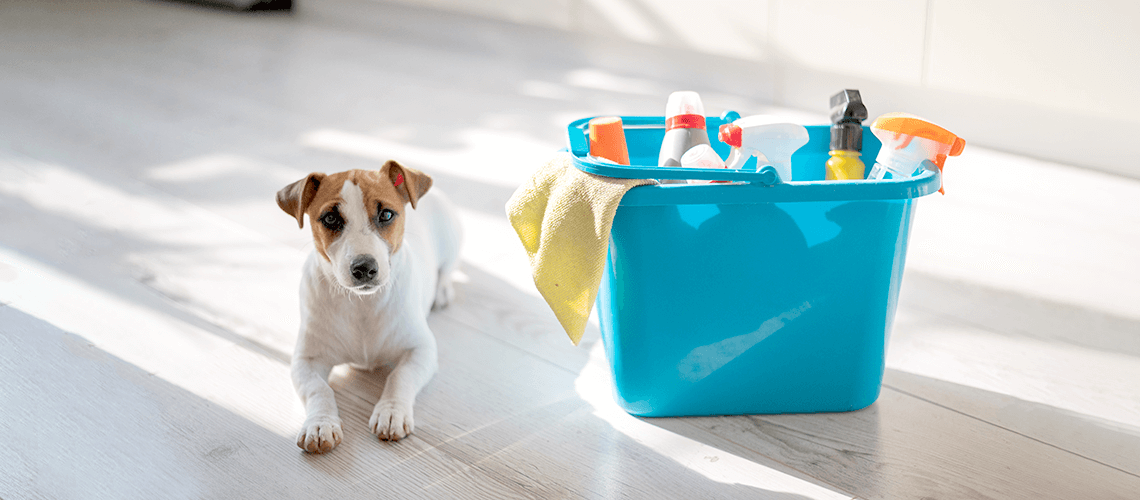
x=607, y=139
x=770, y=140
x=702, y=156
x=907, y=141
x=847, y=115
x=684, y=127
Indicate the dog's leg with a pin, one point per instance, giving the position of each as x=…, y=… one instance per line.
x=449, y=235
x=392, y=417
x=444, y=288
x=321, y=431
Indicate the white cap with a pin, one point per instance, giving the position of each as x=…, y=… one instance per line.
x=684, y=102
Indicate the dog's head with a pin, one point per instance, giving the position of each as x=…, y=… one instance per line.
x=357, y=219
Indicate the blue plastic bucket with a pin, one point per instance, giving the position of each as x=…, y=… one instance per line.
x=750, y=298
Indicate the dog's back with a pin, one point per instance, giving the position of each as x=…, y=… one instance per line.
x=433, y=232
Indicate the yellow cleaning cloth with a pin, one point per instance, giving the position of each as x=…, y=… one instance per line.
x=563, y=217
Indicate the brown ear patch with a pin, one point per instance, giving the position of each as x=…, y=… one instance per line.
x=295, y=198
x=409, y=182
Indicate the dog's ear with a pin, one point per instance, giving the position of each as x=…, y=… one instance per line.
x=408, y=181
x=295, y=198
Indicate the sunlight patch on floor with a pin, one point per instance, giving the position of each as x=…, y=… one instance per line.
x=210, y=367
x=124, y=316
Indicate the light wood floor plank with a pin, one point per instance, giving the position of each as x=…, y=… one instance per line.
x=1073, y=398
x=90, y=425
x=1060, y=375
x=903, y=447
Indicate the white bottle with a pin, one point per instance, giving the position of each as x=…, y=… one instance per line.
x=702, y=156
x=684, y=127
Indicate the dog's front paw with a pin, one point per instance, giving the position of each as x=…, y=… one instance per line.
x=391, y=420
x=319, y=434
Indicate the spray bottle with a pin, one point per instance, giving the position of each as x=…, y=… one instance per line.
x=907, y=141
x=771, y=141
x=684, y=127
x=847, y=115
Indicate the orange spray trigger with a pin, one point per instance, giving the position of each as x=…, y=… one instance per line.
x=907, y=141
x=959, y=144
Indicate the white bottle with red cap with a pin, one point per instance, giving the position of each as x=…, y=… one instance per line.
x=702, y=156
x=684, y=127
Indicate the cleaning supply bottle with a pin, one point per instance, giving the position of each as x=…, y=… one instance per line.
x=702, y=156
x=907, y=141
x=684, y=127
x=772, y=142
x=607, y=139
x=847, y=115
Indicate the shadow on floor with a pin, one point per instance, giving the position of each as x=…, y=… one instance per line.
x=1110, y=443
x=833, y=447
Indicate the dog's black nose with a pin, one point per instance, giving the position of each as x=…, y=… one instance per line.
x=363, y=268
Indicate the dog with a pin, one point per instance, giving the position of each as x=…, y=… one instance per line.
x=377, y=269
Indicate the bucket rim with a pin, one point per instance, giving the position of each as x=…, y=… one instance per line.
x=748, y=186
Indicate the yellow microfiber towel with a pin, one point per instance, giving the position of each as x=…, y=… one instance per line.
x=563, y=217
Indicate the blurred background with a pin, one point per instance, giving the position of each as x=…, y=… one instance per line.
x=1047, y=79
x=142, y=142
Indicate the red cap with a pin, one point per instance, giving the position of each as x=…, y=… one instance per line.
x=731, y=134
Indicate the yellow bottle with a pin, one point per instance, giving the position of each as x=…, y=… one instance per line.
x=845, y=165
x=847, y=115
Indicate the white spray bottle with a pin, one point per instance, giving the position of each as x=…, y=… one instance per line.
x=907, y=141
x=771, y=141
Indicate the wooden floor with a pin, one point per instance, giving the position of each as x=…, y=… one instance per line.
x=148, y=282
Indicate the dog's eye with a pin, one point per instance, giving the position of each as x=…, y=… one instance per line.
x=332, y=221
x=386, y=215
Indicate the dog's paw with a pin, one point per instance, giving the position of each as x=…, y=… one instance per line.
x=391, y=420
x=444, y=293
x=319, y=434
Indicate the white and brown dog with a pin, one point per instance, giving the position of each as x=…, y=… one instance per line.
x=376, y=271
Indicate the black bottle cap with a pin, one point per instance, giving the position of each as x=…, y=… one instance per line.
x=847, y=136
x=847, y=115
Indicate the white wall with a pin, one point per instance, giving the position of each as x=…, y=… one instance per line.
x=1055, y=80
